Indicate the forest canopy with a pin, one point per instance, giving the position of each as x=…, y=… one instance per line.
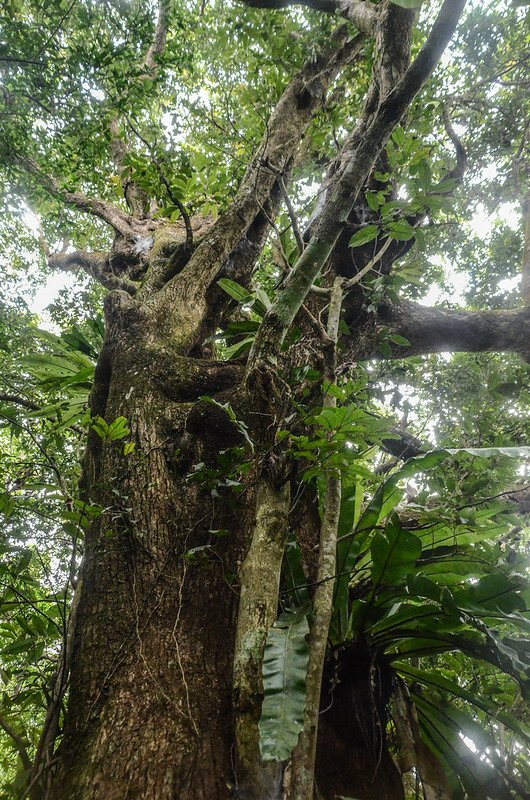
x=264, y=445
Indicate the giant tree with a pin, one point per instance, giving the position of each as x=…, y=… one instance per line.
x=261, y=193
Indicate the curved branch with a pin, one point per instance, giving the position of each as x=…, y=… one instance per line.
x=19, y=742
x=436, y=330
x=122, y=222
x=360, y=12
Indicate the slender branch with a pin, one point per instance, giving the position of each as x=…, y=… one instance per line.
x=348, y=185
x=10, y=60
x=171, y=194
x=525, y=267
x=19, y=741
x=51, y=723
x=461, y=157
x=371, y=264
x=23, y=403
x=57, y=28
x=122, y=222
x=361, y=12
x=292, y=215
x=303, y=761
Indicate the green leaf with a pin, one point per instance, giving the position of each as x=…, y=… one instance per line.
x=261, y=303
x=18, y=646
x=487, y=452
x=394, y=554
x=372, y=198
x=389, y=494
x=397, y=339
x=493, y=591
x=447, y=185
x=284, y=693
x=294, y=576
x=118, y=429
x=235, y=290
x=442, y=727
x=438, y=681
x=401, y=230
x=398, y=135
x=366, y=234
x=239, y=349
x=423, y=171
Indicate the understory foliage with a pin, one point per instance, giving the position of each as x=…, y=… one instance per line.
x=417, y=425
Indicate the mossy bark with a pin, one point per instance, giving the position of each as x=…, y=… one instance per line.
x=150, y=698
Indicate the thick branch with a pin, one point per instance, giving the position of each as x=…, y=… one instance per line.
x=435, y=330
x=97, y=265
x=274, y=157
x=361, y=12
x=18, y=401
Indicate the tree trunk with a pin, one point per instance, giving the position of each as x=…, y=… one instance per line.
x=150, y=710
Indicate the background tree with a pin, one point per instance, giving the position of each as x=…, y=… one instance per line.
x=293, y=561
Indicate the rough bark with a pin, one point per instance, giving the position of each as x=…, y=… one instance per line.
x=150, y=689
x=435, y=330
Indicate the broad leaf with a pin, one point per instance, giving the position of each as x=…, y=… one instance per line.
x=394, y=554
x=284, y=674
x=365, y=235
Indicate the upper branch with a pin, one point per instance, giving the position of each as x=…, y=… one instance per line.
x=159, y=39
x=136, y=198
x=122, y=222
x=374, y=133
x=361, y=12
x=273, y=159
